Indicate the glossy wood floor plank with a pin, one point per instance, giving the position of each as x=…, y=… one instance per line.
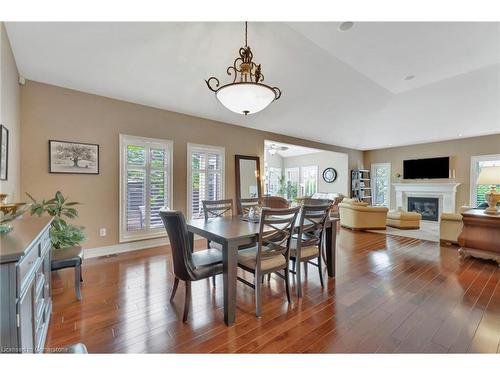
x=391, y=294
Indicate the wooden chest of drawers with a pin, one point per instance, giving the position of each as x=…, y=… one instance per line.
x=26, y=303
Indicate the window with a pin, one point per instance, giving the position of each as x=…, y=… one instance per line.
x=381, y=184
x=477, y=191
x=145, y=186
x=274, y=178
x=205, y=177
x=292, y=182
x=308, y=180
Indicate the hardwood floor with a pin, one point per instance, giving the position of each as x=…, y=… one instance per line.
x=391, y=295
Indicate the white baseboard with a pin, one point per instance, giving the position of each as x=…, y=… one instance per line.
x=124, y=247
x=127, y=246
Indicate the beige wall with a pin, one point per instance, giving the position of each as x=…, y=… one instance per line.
x=9, y=116
x=50, y=112
x=460, y=152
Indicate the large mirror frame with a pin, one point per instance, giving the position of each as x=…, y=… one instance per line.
x=237, y=159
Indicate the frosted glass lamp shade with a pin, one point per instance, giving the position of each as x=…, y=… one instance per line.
x=489, y=176
x=246, y=97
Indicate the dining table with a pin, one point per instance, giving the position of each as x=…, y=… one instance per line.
x=233, y=232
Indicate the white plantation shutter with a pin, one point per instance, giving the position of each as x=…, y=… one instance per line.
x=308, y=180
x=205, y=177
x=145, y=186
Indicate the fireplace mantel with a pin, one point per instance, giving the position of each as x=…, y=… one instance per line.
x=444, y=191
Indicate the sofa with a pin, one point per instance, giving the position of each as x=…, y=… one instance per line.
x=359, y=215
x=450, y=226
x=403, y=220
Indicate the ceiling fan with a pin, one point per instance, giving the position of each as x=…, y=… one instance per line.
x=274, y=148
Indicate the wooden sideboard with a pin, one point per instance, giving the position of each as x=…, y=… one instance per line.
x=25, y=295
x=480, y=235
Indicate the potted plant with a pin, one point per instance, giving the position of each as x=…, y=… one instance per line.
x=62, y=234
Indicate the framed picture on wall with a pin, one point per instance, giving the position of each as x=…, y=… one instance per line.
x=4, y=152
x=73, y=157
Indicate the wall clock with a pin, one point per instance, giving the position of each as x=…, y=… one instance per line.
x=329, y=175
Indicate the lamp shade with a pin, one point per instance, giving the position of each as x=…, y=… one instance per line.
x=246, y=97
x=489, y=176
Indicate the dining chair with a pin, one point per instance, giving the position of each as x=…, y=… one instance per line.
x=213, y=209
x=307, y=244
x=245, y=204
x=217, y=208
x=188, y=265
x=271, y=254
x=275, y=202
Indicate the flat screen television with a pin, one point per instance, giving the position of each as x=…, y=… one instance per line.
x=426, y=168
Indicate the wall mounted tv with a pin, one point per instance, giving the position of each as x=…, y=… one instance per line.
x=426, y=168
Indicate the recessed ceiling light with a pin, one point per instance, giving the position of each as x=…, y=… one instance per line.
x=344, y=26
x=409, y=78
x=460, y=135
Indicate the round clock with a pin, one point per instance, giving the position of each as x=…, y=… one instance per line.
x=329, y=175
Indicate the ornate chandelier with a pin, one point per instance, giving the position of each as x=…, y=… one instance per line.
x=246, y=94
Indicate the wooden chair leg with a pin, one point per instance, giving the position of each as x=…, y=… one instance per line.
x=78, y=271
x=299, y=281
x=268, y=277
x=213, y=281
x=174, y=289
x=187, y=301
x=258, y=287
x=320, y=270
x=287, y=285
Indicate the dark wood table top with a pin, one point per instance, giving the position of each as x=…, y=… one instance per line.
x=224, y=228
x=480, y=213
x=227, y=228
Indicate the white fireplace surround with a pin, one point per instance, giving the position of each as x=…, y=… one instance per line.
x=445, y=192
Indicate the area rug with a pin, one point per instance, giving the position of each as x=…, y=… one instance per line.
x=428, y=231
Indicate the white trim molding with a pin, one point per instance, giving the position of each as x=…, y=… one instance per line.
x=124, y=247
x=204, y=149
x=474, y=174
x=445, y=192
x=373, y=183
x=167, y=145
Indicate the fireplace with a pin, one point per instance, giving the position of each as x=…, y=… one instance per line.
x=428, y=207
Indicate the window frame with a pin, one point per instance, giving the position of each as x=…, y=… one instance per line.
x=474, y=175
x=206, y=149
x=125, y=139
x=373, y=184
x=301, y=177
x=275, y=173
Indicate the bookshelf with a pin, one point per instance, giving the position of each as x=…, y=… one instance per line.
x=361, y=185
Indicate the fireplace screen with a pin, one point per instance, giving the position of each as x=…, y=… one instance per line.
x=427, y=207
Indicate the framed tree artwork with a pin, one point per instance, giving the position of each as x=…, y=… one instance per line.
x=73, y=157
x=4, y=153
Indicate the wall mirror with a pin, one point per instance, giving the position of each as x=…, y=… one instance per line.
x=247, y=176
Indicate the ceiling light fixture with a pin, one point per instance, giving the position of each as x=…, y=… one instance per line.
x=274, y=148
x=246, y=94
x=344, y=26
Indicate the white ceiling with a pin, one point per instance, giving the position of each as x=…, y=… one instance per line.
x=292, y=150
x=343, y=88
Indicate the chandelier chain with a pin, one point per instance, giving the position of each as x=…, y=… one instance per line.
x=246, y=34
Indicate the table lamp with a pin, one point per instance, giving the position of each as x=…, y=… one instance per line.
x=490, y=176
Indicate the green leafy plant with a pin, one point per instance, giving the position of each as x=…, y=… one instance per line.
x=62, y=233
